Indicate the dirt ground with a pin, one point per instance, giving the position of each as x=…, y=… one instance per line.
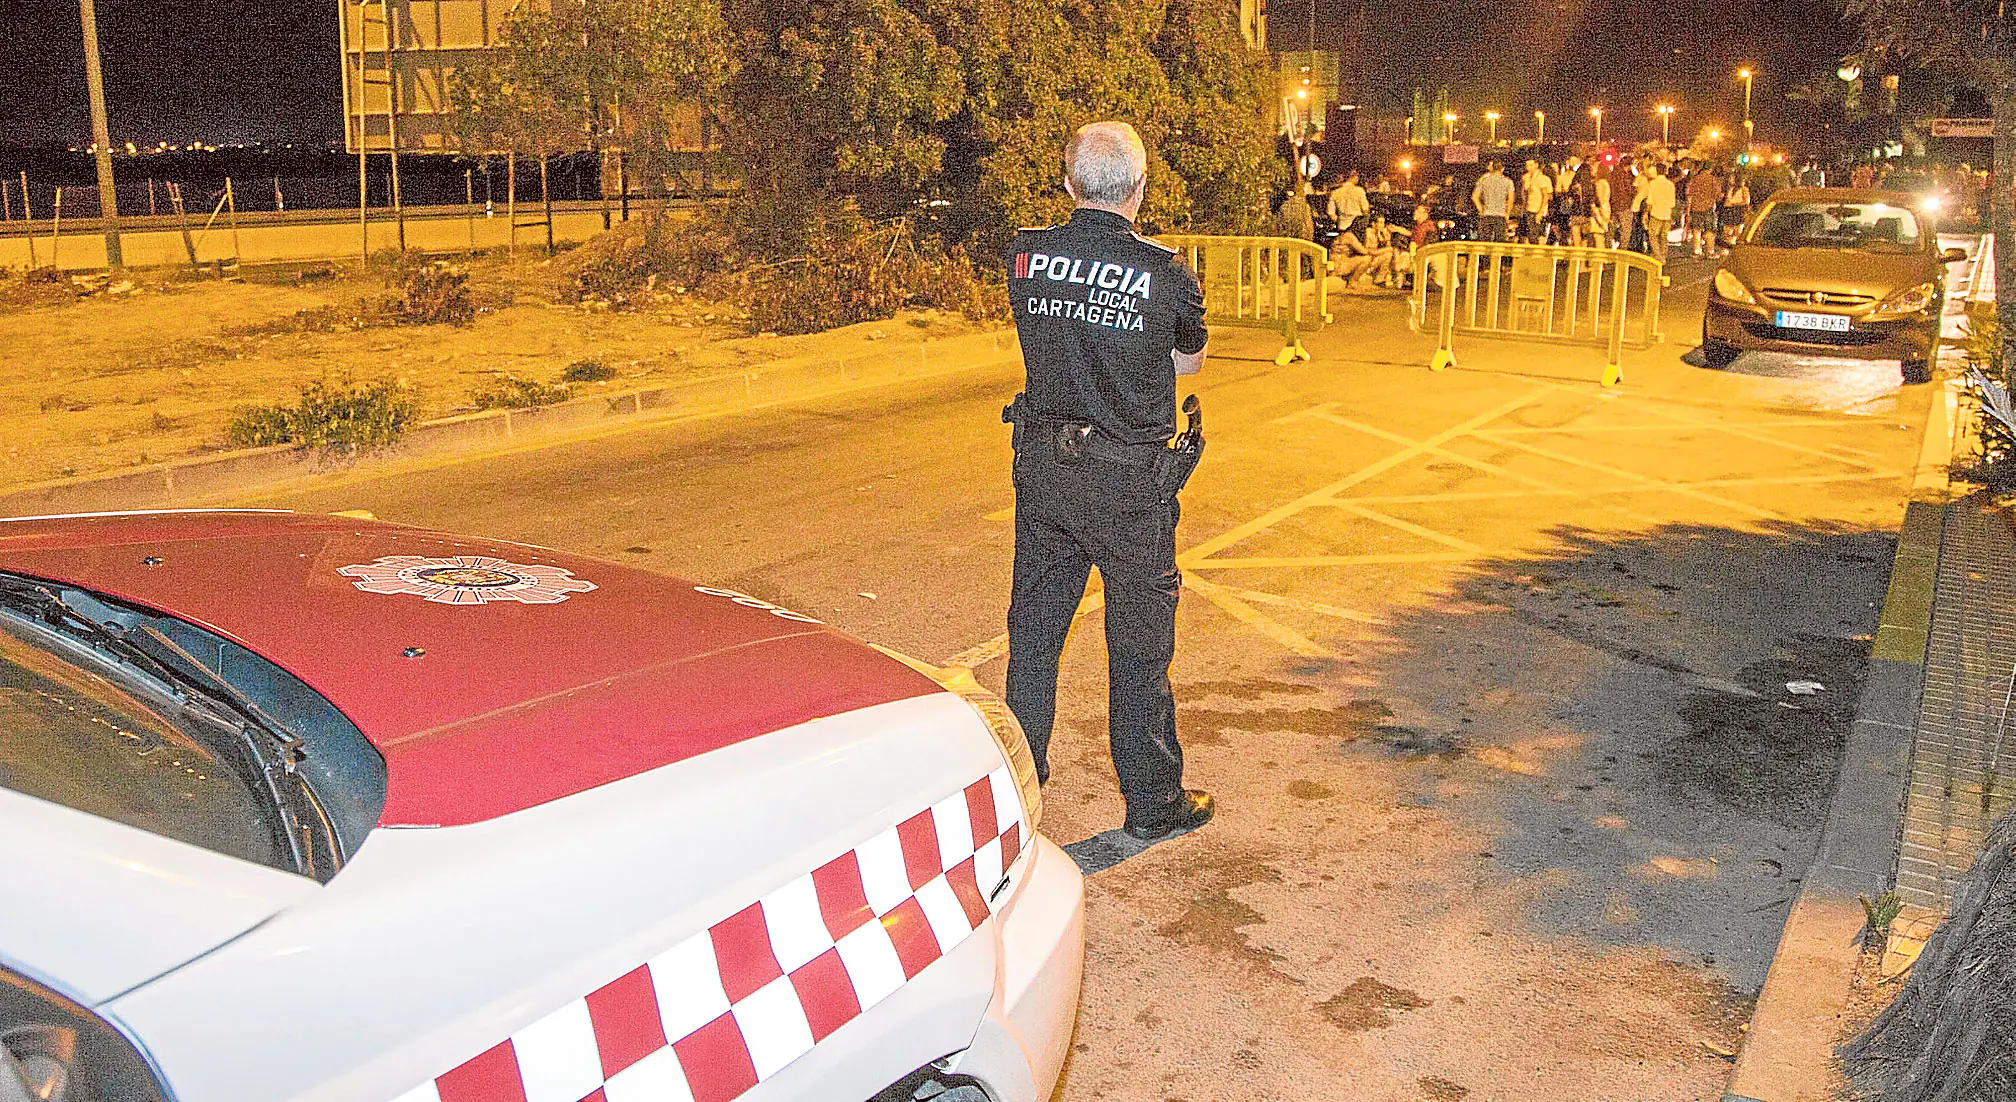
x=152, y=374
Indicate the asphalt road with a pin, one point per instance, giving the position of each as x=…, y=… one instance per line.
x=1487, y=667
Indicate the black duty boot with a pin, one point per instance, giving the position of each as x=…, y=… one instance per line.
x=1181, y=816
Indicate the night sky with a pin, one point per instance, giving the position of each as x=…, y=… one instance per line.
x=218, y=71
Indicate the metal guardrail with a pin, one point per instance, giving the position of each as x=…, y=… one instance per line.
x=1261, y=283
x=1560, y=294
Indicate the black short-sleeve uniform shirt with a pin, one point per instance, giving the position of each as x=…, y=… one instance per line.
x=1099, y=308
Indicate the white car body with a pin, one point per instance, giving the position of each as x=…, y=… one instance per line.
x=813, y=913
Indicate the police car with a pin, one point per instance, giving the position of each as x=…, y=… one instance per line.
x=309, y=807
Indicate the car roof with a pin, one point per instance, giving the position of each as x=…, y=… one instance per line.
x=1845, y=195
x=502, y=704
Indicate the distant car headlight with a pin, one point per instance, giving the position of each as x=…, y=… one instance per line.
x=1731, y=288
x=1911, y=300
x=1001, y=723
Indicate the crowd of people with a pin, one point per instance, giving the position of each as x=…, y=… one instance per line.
x=1641, y=203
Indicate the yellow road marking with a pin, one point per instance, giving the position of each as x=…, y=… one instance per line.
x=1259, y=621
x=1761, y=438
x=1410, y=527
x=1329, y=560
x=1300, y=605
x=1646, y=480
x=1196, y=555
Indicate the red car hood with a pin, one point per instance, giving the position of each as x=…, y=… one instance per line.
x=538, y=678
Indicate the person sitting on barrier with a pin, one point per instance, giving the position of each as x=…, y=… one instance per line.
x=1389, y=251
x=1358, y=264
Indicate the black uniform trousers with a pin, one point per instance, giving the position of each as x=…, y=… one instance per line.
x=1099, y=512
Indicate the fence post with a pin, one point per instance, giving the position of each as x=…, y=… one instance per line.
x=1445, y=351
x=56, y=229
x=1620, y=311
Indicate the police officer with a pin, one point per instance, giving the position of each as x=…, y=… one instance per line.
x=1107, y=319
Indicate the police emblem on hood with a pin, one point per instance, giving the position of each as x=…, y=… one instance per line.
x=466, y=580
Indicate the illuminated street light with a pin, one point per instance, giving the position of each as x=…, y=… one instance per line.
x=1597, y=114
x=1407, y=169
x=1492, y=117
x=1714, y=135
x=1449, y=122
x=1540, y=119
x=1665, y=123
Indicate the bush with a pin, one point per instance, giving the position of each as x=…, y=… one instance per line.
x=434, y=294
x=860, y=273
x=1981, y=345
x=511, y=392
x=587, y=371
x=342, y=414
x=640, y=255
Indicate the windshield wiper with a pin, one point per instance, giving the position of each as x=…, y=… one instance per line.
x=194, y=687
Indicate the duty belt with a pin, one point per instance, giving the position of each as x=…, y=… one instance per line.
x=1071, y=441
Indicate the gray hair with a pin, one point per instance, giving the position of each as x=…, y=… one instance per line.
x=1105, y=161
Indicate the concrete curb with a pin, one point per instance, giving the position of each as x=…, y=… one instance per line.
x=209, y=479
x=1788, y=1055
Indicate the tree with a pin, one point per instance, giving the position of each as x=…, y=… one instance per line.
x=1973, y=41
x=834, y=99
x=593, y=74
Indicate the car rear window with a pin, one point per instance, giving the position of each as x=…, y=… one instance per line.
x=78, y=738
x=1817, y=224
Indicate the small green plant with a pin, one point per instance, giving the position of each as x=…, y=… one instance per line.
x=512, y=392
x=340, y=414
x=1877, y=917
x=587, y=371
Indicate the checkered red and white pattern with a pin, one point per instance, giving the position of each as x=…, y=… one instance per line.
x=729, y=1007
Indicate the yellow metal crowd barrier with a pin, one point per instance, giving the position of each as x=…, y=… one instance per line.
x=1260, y=282
x=1601, y=298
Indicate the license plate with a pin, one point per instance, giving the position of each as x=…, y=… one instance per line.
x=1831, y=323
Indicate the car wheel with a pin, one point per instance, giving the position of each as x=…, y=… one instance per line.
x=1917, y=371
x=1717, y=354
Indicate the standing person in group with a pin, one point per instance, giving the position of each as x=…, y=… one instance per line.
x=1578, y=201
x=1704, y=203
x=1349, y=205
x=1095, y=483
x=1735, y=205
x=1659, y=200
x=1599, y=210
x=1493, y=199
x=1536, y=189
x=1864, y=175
x=1564, y=175
x=1634, y=212
x=1296, y=219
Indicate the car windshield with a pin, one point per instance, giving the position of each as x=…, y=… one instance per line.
x=1819, y=224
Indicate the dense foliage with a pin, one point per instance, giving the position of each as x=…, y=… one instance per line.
x=883, y=105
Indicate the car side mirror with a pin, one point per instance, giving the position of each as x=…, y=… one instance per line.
x=1952, y=256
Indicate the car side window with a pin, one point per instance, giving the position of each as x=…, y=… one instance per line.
x=72, y=732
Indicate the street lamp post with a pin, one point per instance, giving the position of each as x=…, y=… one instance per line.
x=1597, y=114
x=1665, y=124
x=1492, y=117
x=1449, y=127
x=1540, y=120
x=1749, y=128
x=1407, y=170
x=94, y=80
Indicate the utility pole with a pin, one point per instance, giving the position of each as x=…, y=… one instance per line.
x=94, y=79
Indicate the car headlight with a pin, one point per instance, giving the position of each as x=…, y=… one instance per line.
x=1911, y=300
x=1731, y=288
x=1001, y=723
